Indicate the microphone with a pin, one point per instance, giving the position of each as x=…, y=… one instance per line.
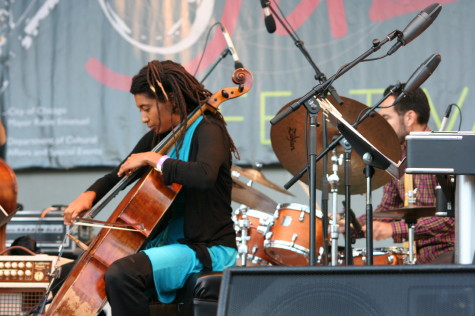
x=419, y=76
x=445, y=119
x=269, y=19
x=229, y=43
x=418, y=25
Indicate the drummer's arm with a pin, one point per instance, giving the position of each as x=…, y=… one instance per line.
x=400, y=231
x=383, y=229
x=390, y=199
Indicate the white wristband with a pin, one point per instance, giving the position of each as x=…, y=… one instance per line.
x=160, y=162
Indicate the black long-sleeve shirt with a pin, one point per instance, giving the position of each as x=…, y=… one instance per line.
x=207, y=184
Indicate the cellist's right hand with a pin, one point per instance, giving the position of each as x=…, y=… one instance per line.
x=77, y=207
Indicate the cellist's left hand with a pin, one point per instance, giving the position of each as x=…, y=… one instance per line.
x=138, y=160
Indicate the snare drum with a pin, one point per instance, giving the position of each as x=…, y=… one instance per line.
x=288, y=242
x=382, y=256
x=253, y=224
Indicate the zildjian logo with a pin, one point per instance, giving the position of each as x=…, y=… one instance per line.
x=292, y=137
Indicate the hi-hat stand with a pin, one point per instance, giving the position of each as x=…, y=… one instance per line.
x=333, y=179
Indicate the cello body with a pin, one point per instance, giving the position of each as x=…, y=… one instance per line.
x=144, y=207
x=141, y=205
x=8, y=198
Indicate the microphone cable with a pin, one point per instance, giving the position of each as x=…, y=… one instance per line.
x=205, y=46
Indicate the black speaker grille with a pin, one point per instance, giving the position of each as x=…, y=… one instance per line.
x=300, y=291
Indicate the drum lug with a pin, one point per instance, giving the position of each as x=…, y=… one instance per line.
x=294, y=238
x=265, y=227
x=340, y=260
x=320, y=253
x=363, y=256
x=268, y=236
x=254, y=251
x=302, y=216
x=390, y=259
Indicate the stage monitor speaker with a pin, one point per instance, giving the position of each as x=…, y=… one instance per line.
x=348, y=290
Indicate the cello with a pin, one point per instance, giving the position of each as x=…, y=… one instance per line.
x=8, y=199
x=143, y=208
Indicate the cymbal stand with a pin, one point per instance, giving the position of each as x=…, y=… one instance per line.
x=348, y=239
x=369, y=171
x=313, y=107
x=333, y=179
x=242, y=226
x=328, y=88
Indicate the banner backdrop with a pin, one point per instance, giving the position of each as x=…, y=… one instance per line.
x=66, y=66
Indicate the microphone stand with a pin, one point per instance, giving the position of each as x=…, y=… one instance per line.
x=348, y=239
x=300, y=44
x=221, y=57
x=312, y=182
x=348, y=149
x=316, y=91
x=369, y=172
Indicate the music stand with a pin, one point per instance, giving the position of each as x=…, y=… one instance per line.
x=371, y=156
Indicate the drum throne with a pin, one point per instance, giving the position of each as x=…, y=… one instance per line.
x=199, y=297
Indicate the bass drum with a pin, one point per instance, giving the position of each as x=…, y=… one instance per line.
x=288, y=242
x=251, y=226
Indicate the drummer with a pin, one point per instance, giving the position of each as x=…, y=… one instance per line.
x=434, y=236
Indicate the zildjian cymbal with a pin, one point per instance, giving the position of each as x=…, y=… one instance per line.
x=290, y=139
x=407, y=213
x=249, y=196
x=258, y=176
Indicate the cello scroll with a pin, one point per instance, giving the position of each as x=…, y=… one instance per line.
x=243, y=78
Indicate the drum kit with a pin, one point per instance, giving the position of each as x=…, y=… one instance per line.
x=269, y=233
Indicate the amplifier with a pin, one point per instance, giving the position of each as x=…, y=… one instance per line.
x=441, y=152
x=26, y=271
x=48, y=231
x=23, y=282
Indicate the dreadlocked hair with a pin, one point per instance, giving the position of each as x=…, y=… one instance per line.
x=169, y=81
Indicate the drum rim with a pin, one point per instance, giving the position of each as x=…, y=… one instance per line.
x=297, y=207
x=280, y=244
x=260, y=261
x=249, y=212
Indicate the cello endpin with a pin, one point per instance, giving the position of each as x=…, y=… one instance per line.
x=80, y=244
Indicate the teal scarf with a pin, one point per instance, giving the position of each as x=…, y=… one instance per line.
x=184, y=152
x=174, y=229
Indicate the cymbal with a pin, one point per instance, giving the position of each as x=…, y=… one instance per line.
x=289, y=142
x=247, y=195
x=407, y=213
x=257, y=176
